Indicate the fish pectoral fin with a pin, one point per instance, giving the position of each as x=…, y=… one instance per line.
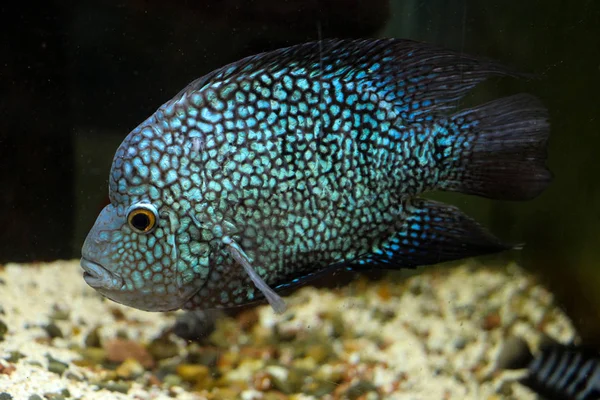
x=276, y=302
x=432, y=233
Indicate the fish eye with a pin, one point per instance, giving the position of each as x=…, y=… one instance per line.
x=142, y=218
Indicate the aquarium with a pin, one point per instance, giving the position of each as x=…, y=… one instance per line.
x=300, y=200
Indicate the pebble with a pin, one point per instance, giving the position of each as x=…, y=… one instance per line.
x=172, y=380
x=226, y=333
x=285, y=380
x=74, y=377
x=319, y=352
x=162, y=348
x=59, y=314
x=208, y=356
x=120, y=387
x=319, y=388
x=359, y=389
x=225, y=394
x=460, y=343
x=117, y=314
x=3, y=330
x=228, y=360
x=119, y=350
x=262, y=381
x=56, y=366
x=92, y=356
x=35, y=363
x=491, y=321
x=130, y=369
x=53, y=330
x=93, y=338
x=7, y=369
x=55, y=396
x=192, y=373
x=15, y=356
x=247, y=319
x=330, y=373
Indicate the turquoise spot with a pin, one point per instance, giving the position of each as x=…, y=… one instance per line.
x=155, y=173
x=171, y=176
x=210, y=116
x=265, y=78
x=136, y=276
x=316, y=87
x=204, y=127
x=288, y=82
x=226, y=91
x=280, y=94
x=303, y=84
x=175, y=123
x=240, y=96
x=197, y=99
x=296, y=96
x=278, y=74
x=217, y=104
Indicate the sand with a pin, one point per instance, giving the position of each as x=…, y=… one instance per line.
x=435, y=335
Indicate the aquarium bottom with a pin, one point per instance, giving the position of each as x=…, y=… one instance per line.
x=431, y=336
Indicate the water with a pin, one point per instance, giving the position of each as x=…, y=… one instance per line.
x=77, y=79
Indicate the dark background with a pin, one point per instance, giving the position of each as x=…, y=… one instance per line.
x=76, y=77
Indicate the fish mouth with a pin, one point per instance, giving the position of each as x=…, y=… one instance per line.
x=97, y=276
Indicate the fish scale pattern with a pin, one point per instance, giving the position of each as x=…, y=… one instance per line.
x=292, y=155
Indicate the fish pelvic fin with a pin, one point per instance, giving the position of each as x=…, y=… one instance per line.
x=504, y=150
x=276, y=302
x=432, y=233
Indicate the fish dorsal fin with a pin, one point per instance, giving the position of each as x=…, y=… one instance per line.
x=418, y=78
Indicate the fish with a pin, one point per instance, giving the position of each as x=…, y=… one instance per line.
x=560, y=371
x=283, y=166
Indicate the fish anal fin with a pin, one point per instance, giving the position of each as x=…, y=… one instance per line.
x=432, y=233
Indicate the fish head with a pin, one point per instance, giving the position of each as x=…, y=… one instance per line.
x=144, y=251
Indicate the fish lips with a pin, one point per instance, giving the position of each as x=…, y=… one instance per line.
x=99, y=277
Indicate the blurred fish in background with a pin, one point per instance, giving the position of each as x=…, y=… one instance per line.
x=558, y=371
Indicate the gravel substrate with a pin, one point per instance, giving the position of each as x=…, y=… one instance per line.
x=435, y=335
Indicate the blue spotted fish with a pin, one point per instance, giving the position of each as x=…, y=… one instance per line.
x=269, y=171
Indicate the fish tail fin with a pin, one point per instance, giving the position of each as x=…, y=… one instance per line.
x=504, y=150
